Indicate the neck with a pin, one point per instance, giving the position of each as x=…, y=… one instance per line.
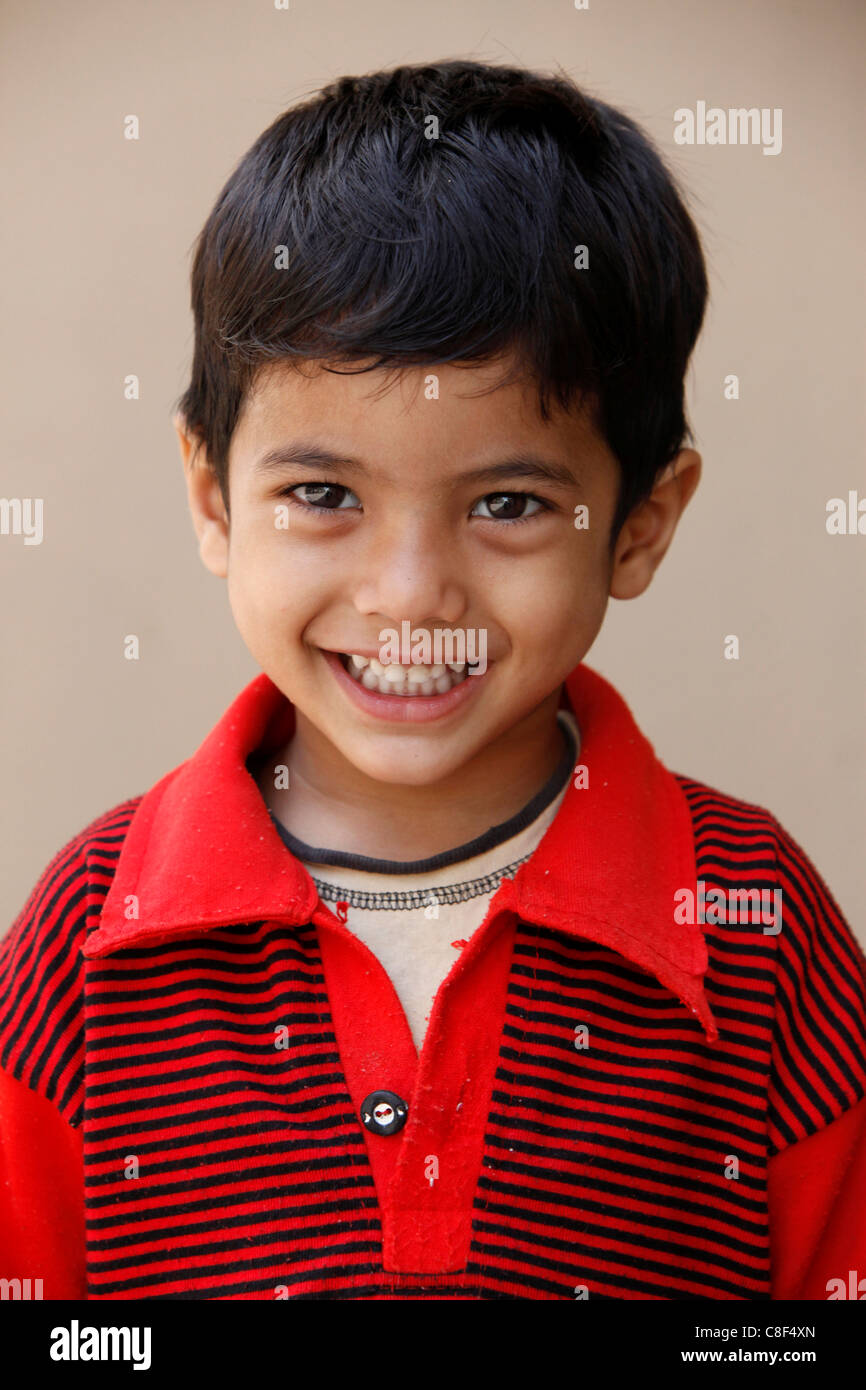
x=333, y=804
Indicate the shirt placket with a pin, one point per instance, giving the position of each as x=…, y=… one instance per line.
x=426, y=1172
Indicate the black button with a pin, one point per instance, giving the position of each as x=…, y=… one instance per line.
x=383, y=1112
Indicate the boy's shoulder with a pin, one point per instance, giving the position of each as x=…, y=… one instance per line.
x=807, y=949
x=41, y=966
x=746, y=843
x=731, y=832
x=737, y=828
x=92, y=853
x=704, y=798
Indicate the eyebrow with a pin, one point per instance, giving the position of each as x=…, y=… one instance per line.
x=521, y=464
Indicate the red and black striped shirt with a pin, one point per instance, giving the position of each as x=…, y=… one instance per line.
x=610, y=1102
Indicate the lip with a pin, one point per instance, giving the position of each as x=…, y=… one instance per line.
x=403, y=709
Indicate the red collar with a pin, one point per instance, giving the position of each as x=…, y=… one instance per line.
x=202, y=851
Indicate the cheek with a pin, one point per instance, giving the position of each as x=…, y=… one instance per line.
x=257, y=591
x=274, y=586
x=558, y=597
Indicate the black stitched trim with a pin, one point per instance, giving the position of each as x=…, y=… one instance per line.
x=403, y=901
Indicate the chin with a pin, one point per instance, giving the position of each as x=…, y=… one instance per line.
x=399, y=765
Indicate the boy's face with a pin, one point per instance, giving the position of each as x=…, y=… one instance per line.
x=424, y=515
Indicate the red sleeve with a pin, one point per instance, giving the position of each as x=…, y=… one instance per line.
x=41, y=1193
x=42, y=1231
x=817, y=1191
x=817, y=1094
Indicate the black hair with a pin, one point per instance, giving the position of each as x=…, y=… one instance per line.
x=430, y=214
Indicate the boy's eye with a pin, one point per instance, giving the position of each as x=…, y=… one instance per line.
x=509, y=506
x=500, y=506
x=323, y=496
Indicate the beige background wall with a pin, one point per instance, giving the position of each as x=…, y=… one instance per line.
x=95, y=239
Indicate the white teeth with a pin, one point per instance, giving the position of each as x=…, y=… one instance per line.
x=408, y=681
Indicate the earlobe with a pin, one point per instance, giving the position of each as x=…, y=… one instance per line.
x=633, y=565
x=213, y=547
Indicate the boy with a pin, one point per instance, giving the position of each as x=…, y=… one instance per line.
x=423, y=977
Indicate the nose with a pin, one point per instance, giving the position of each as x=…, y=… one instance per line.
x=409, y=572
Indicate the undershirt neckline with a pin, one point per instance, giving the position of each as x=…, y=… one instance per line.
x=488, y=840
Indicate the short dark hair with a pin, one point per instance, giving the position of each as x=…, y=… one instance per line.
x=413, y=245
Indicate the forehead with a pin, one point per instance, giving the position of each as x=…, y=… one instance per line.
x=438, y=418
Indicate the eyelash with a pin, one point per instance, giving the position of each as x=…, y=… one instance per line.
x=544, y=506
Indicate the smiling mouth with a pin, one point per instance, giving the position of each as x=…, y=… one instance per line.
x=403, y=680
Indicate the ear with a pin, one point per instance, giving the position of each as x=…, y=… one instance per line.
x=648, y=530
x=209, y=517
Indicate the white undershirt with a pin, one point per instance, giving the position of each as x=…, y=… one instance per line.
x=411, y=921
